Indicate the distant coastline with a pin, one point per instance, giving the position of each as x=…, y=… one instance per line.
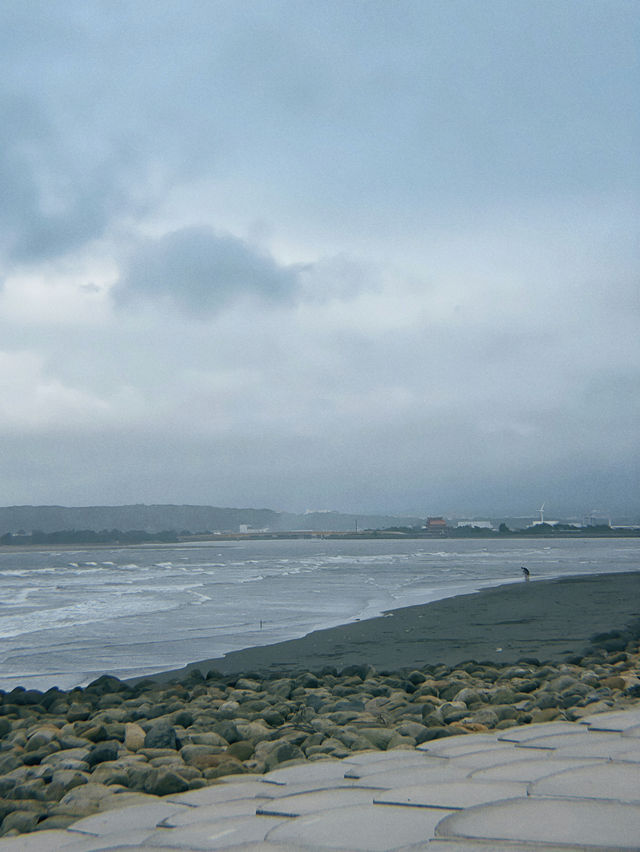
x=133, y=538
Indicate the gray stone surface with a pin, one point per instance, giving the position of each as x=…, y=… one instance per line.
x=370, y=828
x=522, y=733
x=219, y=834
x=127, y=819
x=309, y=803
x=531, y=770
x=619, y=781
x=455, y=795
x=587, y=823
x=618, y=721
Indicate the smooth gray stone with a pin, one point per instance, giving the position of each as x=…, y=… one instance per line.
x=575, y=821
x=615, y=721
x=132, y=819
x=362, y=828
x=619, y=781
x=632, y=732
x=531, y=770
x=217, y=835
x=310, y=803
x=451, y=794
x=528, y=732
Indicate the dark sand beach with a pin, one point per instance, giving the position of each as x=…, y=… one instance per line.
x=546, y=620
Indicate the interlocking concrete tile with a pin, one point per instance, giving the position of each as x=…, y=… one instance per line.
x=126, y=819
x=616, y=749
x=495, y=757
x=574, y=821
x=465, y=741
x=310, y=803
x=470, y=746
x=305, y=773
x=619, y=781
x=414, y=775
x=362, y=758
x=211, y=813
x=615, y=721
x=398, y=760
x=217, y=835
x=528, y=732
x=362, y=828
x=575, y=740
x=451, y=794
x=531, y=770
x=44, y=841
x=218, y=793
x=454, y=845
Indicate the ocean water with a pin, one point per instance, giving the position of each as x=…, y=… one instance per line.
x=67, y=616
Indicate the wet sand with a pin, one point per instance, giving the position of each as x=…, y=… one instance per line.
x=549, y=620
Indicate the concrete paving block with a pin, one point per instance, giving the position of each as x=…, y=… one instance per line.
x=211, y=813
x=310, y=803
x=414, y=775
x=471, y=747
x=362, y=828
x=217, y=793
x=575, y=740
x=619, y=781
x=531, y=770
x=618, y=720
x=617, y=748
x=453, y=845
x=308, y=772
x=496, y=757
x=528, y=732
x=38, y=841
x=218, y=835
x=277, y=791
x=451, y=794
x=466, y=742
x=573, y=821
x=402, y=760
x=121, y=820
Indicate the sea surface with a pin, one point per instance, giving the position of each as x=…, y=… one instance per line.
x=70, y=615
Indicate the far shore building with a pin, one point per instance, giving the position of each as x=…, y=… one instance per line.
x=436, y=524
x=481, y=525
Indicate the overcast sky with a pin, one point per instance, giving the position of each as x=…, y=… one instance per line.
x=353, y=255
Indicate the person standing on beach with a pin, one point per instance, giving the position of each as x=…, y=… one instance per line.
x=526, y=573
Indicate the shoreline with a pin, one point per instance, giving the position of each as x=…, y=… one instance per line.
x=550, y=620
x=394, y=682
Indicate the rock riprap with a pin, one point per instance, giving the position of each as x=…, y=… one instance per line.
x=65, y=755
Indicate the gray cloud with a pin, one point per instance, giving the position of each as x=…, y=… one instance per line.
x=202, y=271
x=438, y=203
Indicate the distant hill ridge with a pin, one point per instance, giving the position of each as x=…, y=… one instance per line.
x=195, y=519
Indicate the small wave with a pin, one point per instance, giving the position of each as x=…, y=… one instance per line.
x=251, y=579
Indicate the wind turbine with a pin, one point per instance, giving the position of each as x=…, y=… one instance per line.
x=541, y=510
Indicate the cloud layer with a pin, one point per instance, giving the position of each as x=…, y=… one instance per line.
x=362, y=256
